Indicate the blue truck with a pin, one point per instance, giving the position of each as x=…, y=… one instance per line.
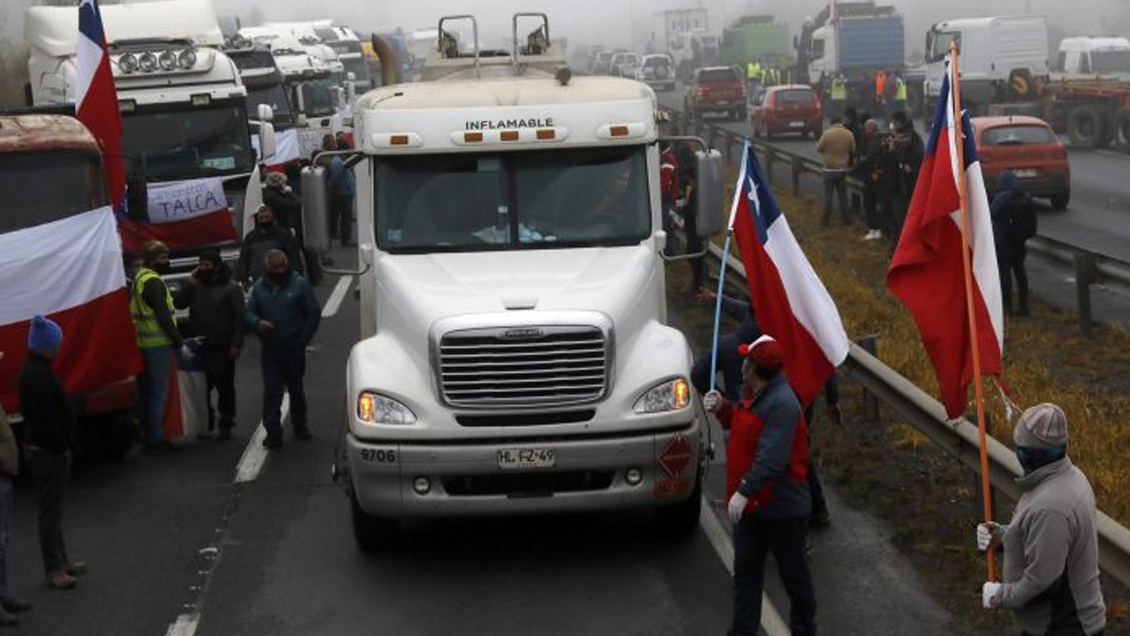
x=855, y=41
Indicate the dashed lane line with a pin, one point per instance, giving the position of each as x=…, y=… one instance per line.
x=771, y=621
x=185, y=625
x=255, y=455
x=338, y=294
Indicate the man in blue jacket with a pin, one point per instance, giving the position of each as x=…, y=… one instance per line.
x=282, y=309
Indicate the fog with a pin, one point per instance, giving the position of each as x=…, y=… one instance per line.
x=622, y=23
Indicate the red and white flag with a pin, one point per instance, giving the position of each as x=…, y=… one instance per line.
x=790, y=300
x=96, y=100
x=70, y=271
x=184, y=216
x=927, y=273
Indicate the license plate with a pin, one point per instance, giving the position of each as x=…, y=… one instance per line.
x=722, y=103
x=511, y=458
x=1026, y=173
x=796, y=124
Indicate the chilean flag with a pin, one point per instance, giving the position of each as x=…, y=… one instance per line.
x=96, y=100
x=927, y=273
x=183, y=215
x=70, y=271
x=790, y=301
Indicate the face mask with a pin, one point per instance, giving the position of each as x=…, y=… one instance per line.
x=279, y=277
x=162, y=268
x=1033, y=459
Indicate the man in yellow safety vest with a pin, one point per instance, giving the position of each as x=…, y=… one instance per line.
x=151, y=306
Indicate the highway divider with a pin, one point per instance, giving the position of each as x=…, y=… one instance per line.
x=1090, y=268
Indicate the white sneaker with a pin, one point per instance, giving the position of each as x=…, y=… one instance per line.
x=873, y=235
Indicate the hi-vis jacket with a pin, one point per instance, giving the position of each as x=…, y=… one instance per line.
x=767, y=456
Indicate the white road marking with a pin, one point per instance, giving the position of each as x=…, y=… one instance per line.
x=336, y=296
x=185, y=625
x=255, y=455
x=771, y=621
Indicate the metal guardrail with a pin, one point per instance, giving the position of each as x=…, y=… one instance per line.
x=1090, y=268
x=958, y=438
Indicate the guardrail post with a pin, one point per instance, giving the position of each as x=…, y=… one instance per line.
x=798, y=168
x=870, y=344
x=1084, y=276
x=770, y=159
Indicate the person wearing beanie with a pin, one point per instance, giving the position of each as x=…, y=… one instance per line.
x=49, y=441
x=767, y=483
x=215, y=313
x=1051, y=552
x=9, y=470
x=151, y=306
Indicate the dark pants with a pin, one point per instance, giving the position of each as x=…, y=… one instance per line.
x=815, y=488
x=6, y=511
x=51, y=471
x=341, y=209
x=219, y=374
x=282, y=373
x=835, y=183
x=871, y=206
x=1010, y=262
x=755, y=537
x=694, y=245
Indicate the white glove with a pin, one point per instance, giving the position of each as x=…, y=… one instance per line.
x=712, y=401
x=185, y=352
x=991, y=595
x=737, y=507
x=989, y=533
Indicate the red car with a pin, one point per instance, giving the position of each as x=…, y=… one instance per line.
x=715, y=89
x=1028, y=147
x=787, y=109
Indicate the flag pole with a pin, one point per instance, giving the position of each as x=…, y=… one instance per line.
x=986, y=491
x=718, y=307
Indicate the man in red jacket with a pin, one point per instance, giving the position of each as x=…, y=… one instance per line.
x=767, y=482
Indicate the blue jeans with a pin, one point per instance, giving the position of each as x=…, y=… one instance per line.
x=283, y=370
x=154, y=392
x=754, y=538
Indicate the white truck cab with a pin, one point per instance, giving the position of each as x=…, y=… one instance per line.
x=514, y=353
x=1094, y=57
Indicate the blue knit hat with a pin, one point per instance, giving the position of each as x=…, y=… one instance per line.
x=45, y=335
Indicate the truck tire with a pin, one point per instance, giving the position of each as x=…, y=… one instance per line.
x=372, y=534
x=1120, y=133
x=1086, y=128
x=681, y=519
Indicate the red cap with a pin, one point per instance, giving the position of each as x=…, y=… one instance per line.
x=765, y=353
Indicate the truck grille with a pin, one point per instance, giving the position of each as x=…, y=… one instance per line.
x=523, y=366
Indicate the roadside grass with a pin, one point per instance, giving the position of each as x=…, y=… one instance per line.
x=1047, y=359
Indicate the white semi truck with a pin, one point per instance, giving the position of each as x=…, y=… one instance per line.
x=182, y=102
x=514, y=353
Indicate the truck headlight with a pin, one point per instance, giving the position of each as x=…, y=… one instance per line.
x=673, y=395
x=374, y=408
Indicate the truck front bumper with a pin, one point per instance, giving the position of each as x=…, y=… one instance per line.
x=399, y=480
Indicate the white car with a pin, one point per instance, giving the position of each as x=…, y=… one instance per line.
x=624, y=64
x=657, y=71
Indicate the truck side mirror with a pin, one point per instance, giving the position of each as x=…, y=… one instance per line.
x=301, y=121
x=711, y=219
x=316, y=208
x=137, y=197
x=266, y=113
x=267, y=143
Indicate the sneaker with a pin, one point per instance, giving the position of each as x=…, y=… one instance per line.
x=272, y=441
x=302, y=433
x=75, y=568
x=15, y=605
x=60, y=580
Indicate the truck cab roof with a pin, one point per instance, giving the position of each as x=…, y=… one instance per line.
x=23, y=133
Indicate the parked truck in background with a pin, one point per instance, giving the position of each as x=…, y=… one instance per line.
x=758, y=37
x=1003, y=59
x=183, y=104
x=686, y=36
x=856, y=43
x=265, y=87
x=50, y=171
x=1093, y=58
x=514, y=353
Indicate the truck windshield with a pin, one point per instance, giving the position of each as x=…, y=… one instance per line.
x=274, y=96
x=188, y=143
x=42, y=187
x=1113, y=61
x=938, y=44
x=318, y=98
x=520, y=200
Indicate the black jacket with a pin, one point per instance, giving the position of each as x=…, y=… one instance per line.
x=260, y=241
x=215, y=309
x=49, y=415
x=287, y=207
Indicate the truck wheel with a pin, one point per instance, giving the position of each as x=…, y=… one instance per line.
x=1086, y=128
x=1060, y=201
x=681, y=519
x=1120, y=136
x=372, y=533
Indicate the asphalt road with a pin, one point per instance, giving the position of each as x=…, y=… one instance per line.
x=175, y=546
x=1097, y=219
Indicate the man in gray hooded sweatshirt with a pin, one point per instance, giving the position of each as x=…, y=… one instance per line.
x=1051, y=551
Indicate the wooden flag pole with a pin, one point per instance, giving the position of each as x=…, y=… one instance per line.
x=986, y=490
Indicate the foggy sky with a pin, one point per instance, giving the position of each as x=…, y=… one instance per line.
x=622, y=23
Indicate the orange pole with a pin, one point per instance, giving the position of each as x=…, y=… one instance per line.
x=986, y=490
